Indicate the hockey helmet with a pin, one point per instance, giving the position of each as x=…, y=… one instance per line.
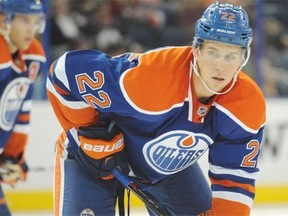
x=13, y=7
x=21, y=6
x=223, y=23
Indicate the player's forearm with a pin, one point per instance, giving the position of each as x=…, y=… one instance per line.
x=16, y=145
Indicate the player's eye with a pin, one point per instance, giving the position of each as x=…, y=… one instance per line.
x=213, y=54
x=24, y=19
x=232, y=59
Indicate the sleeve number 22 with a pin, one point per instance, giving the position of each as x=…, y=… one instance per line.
x=249, y=160
x=98, y=98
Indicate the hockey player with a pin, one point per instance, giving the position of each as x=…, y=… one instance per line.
x=21, y=58
x=171, y=104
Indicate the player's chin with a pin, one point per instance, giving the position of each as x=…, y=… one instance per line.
x=25, y=45
x=217, y=88
x=221, y=86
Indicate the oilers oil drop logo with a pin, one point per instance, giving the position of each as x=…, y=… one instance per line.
x=175, y=150
x=11, y=101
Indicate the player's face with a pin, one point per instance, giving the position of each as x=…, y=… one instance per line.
x=218, y=63
x=23, y=29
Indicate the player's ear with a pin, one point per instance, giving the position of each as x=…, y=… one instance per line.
x=2, y=18
x=2, y=21
x=4, y=27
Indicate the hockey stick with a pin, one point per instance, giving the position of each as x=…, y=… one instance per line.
x=36, y=169
x=132, y=186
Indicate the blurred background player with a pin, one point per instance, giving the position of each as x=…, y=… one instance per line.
x=171, y=104
x=21, y=59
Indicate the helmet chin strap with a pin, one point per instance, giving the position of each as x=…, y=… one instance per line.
x=195, y=69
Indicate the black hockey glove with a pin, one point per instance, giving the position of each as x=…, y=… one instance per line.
x=101, y=150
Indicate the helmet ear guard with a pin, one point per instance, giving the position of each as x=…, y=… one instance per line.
x=246, y=56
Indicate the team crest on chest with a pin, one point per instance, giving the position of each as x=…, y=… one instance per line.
x=11, y=101
x=175, y=150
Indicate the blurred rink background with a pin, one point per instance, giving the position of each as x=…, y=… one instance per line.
x=117, y=26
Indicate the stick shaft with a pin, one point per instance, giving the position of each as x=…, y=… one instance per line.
x=127, y=182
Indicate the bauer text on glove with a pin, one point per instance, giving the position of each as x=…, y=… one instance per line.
x=101, y=149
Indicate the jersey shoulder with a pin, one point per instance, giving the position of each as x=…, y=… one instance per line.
x=160, y=80
x=36, y=50
x=5, y=55
x=172, y=54
x=245, y=103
